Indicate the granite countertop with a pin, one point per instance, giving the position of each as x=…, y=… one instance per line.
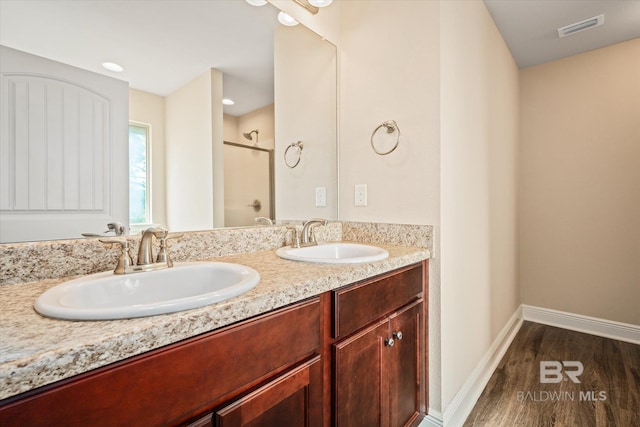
x=35, y=351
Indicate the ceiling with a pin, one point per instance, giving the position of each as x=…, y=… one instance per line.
x=161, y=44
x=529, y=27
x=164, y=44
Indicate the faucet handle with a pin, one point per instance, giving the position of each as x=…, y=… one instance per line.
x=163, y=254
x=125, y=259
x=295, y=240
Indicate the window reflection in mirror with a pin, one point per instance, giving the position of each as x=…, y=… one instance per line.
x=139, y=172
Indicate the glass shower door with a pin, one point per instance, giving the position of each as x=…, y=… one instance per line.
x=248, y=184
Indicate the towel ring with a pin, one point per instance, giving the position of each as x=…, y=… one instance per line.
x=298, y=146
x=390, y=126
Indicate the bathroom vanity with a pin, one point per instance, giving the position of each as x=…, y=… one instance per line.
x=311, y=345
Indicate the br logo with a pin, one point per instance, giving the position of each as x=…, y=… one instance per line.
x=551, y=371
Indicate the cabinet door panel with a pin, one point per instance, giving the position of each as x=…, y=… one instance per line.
x=361, y=386
x=285, y=401
x=405, y=367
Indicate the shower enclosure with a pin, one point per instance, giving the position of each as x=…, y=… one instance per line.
x=248, y=184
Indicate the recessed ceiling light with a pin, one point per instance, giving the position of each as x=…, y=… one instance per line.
x=227, y=101
x=257, y=2
x=287, y=20
x=112, y=66
x=596, y=21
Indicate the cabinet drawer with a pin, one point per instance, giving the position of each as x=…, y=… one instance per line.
x=177, y=381
x=361, y=303
x=292, y=399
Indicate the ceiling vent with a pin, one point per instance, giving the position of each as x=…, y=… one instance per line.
x=596, y=21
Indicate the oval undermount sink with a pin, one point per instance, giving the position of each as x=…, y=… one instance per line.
x=334, y=253
x=107, y=296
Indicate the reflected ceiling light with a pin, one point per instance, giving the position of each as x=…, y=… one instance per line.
x=257, y=2
x=112, y=66
x=227, y=101
x=320, y=3
x=287, y=20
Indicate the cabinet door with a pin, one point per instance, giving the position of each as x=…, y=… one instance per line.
x=406, y=366
x=292, y=399
x=361, y=386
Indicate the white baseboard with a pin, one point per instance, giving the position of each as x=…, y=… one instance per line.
x=433, y=419
x=577, y=322
x=463, y=402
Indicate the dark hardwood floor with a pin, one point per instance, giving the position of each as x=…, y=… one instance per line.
x=608, y=393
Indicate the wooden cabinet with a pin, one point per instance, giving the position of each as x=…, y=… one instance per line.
x=327, y=360
x=179, y=382
x=379, y=371
x=292, y=399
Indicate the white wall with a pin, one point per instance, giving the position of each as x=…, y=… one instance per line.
x=580, y=179
x=148, y=109
x=479, y=128
x=389, y=69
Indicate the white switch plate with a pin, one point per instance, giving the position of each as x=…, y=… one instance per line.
x=321, y=197
x=360, y=197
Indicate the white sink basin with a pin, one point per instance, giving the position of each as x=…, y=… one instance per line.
x=334, y=253
x=105, y=296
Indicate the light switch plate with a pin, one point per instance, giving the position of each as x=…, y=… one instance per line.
x=360, y=197
x=321, y=197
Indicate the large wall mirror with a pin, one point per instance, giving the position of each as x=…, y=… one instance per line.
x=206, y=165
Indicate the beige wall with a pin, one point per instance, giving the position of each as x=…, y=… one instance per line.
x=479, y=132
x=389, y=56
x=261, y=119
x=194, y=164
x=148, y=109
x=580, y=184
x=230, y=128
x=305, y=110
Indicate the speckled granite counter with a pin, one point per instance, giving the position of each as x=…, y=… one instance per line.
x=35, y=351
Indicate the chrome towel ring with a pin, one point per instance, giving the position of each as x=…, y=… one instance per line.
x=390, y=126
x=297, y=146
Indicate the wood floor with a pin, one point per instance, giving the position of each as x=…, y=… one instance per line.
x=608, y=393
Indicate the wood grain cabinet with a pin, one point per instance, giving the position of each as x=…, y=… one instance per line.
x=186, y=381
x=350, y=357
x=379, y=370
x=291, y=399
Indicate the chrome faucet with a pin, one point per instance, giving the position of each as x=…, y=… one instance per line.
x=308, y=236
x=146, y=261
